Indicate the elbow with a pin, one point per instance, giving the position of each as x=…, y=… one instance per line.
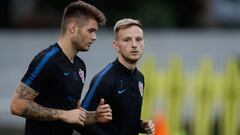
x=13, y=111
x=13, y=108
x=16, y=108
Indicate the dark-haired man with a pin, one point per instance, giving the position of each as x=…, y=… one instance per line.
x=48, y=94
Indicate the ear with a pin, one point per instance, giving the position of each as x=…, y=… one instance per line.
x=73, y=27
x=116, y=45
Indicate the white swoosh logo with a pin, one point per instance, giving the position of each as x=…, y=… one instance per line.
x=66, y=73
x=121, y=91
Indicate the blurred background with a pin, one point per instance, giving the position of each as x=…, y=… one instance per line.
x=191, y=61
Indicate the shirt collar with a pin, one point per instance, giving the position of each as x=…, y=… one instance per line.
x=123, y=68
x=64, y=55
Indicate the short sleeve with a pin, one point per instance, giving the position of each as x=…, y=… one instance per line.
x=38, y=71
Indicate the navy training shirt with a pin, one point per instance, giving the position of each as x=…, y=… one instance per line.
x=59, y=84
x=122, y=89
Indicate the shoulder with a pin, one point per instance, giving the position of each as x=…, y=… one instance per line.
x=45, y=55
x=39, y=66
x=105, y=74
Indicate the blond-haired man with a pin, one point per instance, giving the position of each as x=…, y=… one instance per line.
x=121, y=84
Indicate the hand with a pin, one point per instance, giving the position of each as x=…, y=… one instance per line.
x=75, y=116
x=148, y=127
x=103, y=112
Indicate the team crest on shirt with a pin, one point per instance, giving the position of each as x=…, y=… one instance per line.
x=140, y=86
x=81, y=74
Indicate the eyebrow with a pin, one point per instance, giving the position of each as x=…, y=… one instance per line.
x=94, y=29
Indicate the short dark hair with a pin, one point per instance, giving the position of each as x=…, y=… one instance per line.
x=81, y=10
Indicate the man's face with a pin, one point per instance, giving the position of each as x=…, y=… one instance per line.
x=85, y=35
x=129, y=44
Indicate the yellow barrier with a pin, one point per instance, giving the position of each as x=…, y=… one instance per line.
x=166, y=90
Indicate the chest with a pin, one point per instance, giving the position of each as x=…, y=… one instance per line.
x=127, y=92
x=68, y=80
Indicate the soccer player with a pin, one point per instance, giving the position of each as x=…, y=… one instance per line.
x=48, y=94
x=121, y=84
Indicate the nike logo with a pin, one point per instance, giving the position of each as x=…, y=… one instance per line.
x=121, y=91
x=66, y=73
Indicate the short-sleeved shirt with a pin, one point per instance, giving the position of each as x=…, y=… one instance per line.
x=59, y=83
x=122, y=89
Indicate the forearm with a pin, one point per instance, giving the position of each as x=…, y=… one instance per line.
x=91, y=117
x=38, y=112
x=23, y=105
x=32, y=110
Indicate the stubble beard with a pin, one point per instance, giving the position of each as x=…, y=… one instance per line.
x=131, y=61
x=78, y=47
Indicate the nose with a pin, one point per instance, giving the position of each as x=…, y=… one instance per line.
x=94, y=36
x=134, y=44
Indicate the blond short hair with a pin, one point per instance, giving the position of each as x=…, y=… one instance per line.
x=125, y=23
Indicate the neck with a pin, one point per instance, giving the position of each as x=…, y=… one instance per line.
x=128, y=65
x=67, y=48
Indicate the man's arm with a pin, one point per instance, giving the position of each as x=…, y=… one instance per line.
x=148, y=127
x=23, y=105
x=94, y=129
x=103, y=114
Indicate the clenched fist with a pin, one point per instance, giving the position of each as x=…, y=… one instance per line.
x=103, y=112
